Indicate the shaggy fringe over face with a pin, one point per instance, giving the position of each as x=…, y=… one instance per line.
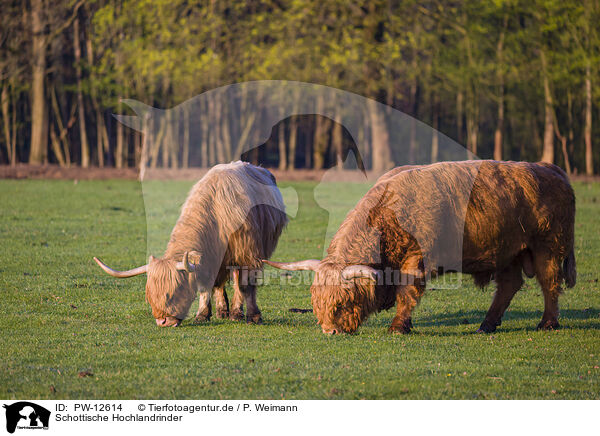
x=341, y=304
x=168, y=291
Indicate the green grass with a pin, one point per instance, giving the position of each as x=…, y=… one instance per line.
x=61, y=315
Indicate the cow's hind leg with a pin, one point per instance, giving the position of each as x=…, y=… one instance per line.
x=508, y=282
x=221, y=303
x=253, y=315
x=549, y=275
x=236, y=312
x=247, y=289
x=204, y=309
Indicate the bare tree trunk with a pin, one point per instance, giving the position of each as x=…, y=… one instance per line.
x=102, y=136
x=173, y=133
x=45, y=130
x=337, y=140
x=292, y=142
x=56, y=148
x=137, y=147
x=499, y=126
x=204, y=144
x=85, y=149
x=589, y=157
x=102, y=140
x=185, y=159
x=414, y=86
x=382, y=159
x=212, y=142
x=38, y=102
x=562, y=139
x=157, y=143
x=146, y=145
x=215, y=127
x=64, y=156
x=166, y=143
x=472, y=128
x=224, y=130
x=281, y=146
x=500, y=77
x=320, y=137
x=412, y=141
x=435, y=139
x=307, y=151
x=281, y=141
x=563, y=143
x=548, y=147
x=13, y=141
x=6, y=121
x=459, y=117
x=119, y=153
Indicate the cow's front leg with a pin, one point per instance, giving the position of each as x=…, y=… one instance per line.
x=204, y=309
x=221, y=302
x=407, y=298
x=408, y=295
x=237, y=303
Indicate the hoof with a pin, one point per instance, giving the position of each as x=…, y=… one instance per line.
x=550, y=324
x=222, y=314
x=400, y=325
x=202, y=318
x=254, y=319
x=399, y=330
x=236, y=315
x=486, y=327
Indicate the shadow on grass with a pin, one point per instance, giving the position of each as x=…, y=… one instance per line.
x=476, y=316
x=569, y=319
x=304, y=320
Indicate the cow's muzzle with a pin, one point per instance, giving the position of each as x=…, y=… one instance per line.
x=169, y=321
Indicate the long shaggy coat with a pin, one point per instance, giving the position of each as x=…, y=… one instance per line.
x=232, y=217
x=486, y=218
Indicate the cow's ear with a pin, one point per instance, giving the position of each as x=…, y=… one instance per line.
x=190, y=261
x=194, y=257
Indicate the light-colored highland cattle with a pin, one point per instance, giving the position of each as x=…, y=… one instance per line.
x=231, y=219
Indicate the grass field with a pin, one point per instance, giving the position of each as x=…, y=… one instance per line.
x=60, y=315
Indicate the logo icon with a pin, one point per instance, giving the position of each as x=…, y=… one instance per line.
x=26, y=415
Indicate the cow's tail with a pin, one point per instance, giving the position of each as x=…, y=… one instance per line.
x=569, y=269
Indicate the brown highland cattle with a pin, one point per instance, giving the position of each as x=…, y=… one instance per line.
x=231, y=219
x=486, y=218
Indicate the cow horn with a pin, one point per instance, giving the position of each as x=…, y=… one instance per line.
x=359, y=272
x=185, y=264
x=122, y=274
x=302, y=265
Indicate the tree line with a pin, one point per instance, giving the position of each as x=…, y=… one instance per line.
x=509, y=79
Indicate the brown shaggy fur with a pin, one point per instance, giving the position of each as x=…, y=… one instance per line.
x=233, y=217
x=485, y=218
